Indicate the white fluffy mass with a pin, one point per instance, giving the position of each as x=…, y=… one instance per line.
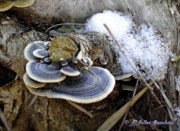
x=178, y=83
x=177, y=109
x=141, y=44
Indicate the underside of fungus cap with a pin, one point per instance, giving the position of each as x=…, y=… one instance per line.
x=23, y=3
x=91, y=86
x=44, y=73
x=6, y=5
x=30, y=48
x=31, y=83
x=123, y=77
x=67, y=70
x=40, y=53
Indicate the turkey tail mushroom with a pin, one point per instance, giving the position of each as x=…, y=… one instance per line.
x=67, y=70
x=23, y=3
x=91, y=86
x=44, y=73
x=7, y=4
x=31, y=47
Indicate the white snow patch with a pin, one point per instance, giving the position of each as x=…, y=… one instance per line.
x=142, y=44
x=178, y=83
x=177, y=109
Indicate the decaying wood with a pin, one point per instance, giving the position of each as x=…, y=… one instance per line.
x=54, y=114
x=4, y=59
x=45, y=113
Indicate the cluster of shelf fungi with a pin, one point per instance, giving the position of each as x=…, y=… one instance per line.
x=63, y=68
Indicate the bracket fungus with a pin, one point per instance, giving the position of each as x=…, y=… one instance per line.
x=40, y=53
x=45, y=73
x=91, y=86
x=30, y=48
x=31, y=83
x=67, y=70
x=55, y=71
x=7, y=4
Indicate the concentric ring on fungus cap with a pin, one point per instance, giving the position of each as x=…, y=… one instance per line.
x=67, y=70
x=31, y=47
x=44, y=73
x=40, y=53
x=23, y=3
x=91, y=86
x=31, y=83
x=6, y=5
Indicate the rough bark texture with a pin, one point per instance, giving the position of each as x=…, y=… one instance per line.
x=55, y=114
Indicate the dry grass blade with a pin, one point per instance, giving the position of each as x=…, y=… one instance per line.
x=134, y=93
x=112, y=120
x=32, y=101
x=168, y=103
x=80, y=109
x=4, y=121
x=63, y=24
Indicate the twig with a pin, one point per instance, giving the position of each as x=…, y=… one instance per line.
x=33, y=100
x=80, y=109
x=63, y=24
x=134, y=93
x=113, y=119
x=4, y=121
x=127, y=58
x=168, y=103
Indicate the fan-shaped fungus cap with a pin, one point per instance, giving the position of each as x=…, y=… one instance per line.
x=82, y=53
x=40, y=53
x=87, y=61
x=23, y=3
x=30, y=48
x=43, y=72
x=31, y=83
x=5, y=5
x=67, y=70
x=47, y=60
x=91, y=86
